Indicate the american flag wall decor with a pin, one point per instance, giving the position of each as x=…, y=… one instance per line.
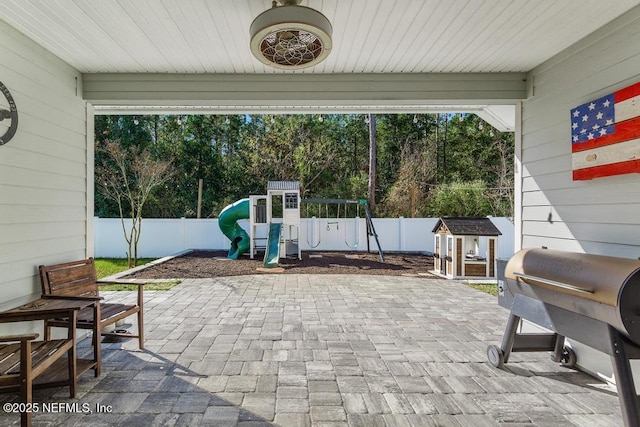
x=605, y=135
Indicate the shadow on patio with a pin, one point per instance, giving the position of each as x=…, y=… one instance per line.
x=296, y=350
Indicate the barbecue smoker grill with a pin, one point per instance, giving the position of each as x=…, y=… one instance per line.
x=590, y=298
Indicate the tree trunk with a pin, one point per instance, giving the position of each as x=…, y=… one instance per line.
x=372, y=161
x=199, y=198
x=444, y=142
x=437, y=138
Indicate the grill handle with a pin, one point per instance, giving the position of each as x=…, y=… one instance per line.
x=554, y=283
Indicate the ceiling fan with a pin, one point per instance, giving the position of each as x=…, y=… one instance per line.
x=290, y=36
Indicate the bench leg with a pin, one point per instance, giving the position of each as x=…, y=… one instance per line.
x=141, y=317
x=140, y=329
x=72, y=355
x=97, y=335
x=26, y=386
x=47, y=331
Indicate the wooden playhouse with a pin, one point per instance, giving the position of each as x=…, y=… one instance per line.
x=465, y=248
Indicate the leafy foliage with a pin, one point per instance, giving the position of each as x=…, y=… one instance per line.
x=460, y=198
x=431, y=164
x=127, y=176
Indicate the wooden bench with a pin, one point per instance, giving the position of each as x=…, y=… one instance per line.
x=23, y=361
x=77, y=279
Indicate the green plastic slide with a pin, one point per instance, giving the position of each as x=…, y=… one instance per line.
x=272, y=253
x=228, y=223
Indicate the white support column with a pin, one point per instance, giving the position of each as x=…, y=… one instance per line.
x=90, y=181
x=517, y=186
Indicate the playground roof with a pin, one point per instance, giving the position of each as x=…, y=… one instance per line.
x=283, y=186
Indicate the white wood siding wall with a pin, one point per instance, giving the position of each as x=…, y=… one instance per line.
x=601, y=216
x=43, y=169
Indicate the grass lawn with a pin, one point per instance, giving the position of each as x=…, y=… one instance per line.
x=108, y=266
x=490, y=288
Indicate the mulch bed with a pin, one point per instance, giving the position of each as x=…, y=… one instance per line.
x=203, y=264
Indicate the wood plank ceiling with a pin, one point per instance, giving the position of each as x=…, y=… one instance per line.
x=370, y=36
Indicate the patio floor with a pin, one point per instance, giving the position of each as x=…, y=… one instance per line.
x=325, y=350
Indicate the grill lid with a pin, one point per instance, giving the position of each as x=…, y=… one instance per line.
x=595, y=277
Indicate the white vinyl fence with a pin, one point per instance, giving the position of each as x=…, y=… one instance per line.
x=163, y=237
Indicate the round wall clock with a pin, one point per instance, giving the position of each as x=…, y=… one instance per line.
x=8, y=116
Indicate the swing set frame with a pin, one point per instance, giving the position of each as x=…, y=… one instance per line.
x=371, y=231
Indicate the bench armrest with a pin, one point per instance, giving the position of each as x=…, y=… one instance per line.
x=120, y=282
x=21, y=337
x=127, y=282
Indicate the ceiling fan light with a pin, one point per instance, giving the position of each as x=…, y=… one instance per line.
x=291, y=37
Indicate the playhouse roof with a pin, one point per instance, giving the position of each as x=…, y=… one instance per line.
x=468, y=226
x=283, y=185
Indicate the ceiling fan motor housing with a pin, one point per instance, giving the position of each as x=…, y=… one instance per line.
x=291, y=37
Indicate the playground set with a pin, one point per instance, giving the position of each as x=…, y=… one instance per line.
x=283, y=232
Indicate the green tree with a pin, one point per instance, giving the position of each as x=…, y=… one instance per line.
x=408, y=195
x=128, y=131
x=294, y=147
x=236, y=155
x=460, y=198
x=354, y=159
x=127, y=176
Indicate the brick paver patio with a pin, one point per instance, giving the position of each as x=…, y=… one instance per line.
x=297, y=350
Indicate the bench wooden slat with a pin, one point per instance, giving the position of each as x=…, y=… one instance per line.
x=71, y=274
x=40, y=353
x=47, y=353
x=81, y=291
x=108, y=311
x=9, y=358
x=9, y=381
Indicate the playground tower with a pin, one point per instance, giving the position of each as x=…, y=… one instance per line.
x=276, y=216
x=284, y=197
